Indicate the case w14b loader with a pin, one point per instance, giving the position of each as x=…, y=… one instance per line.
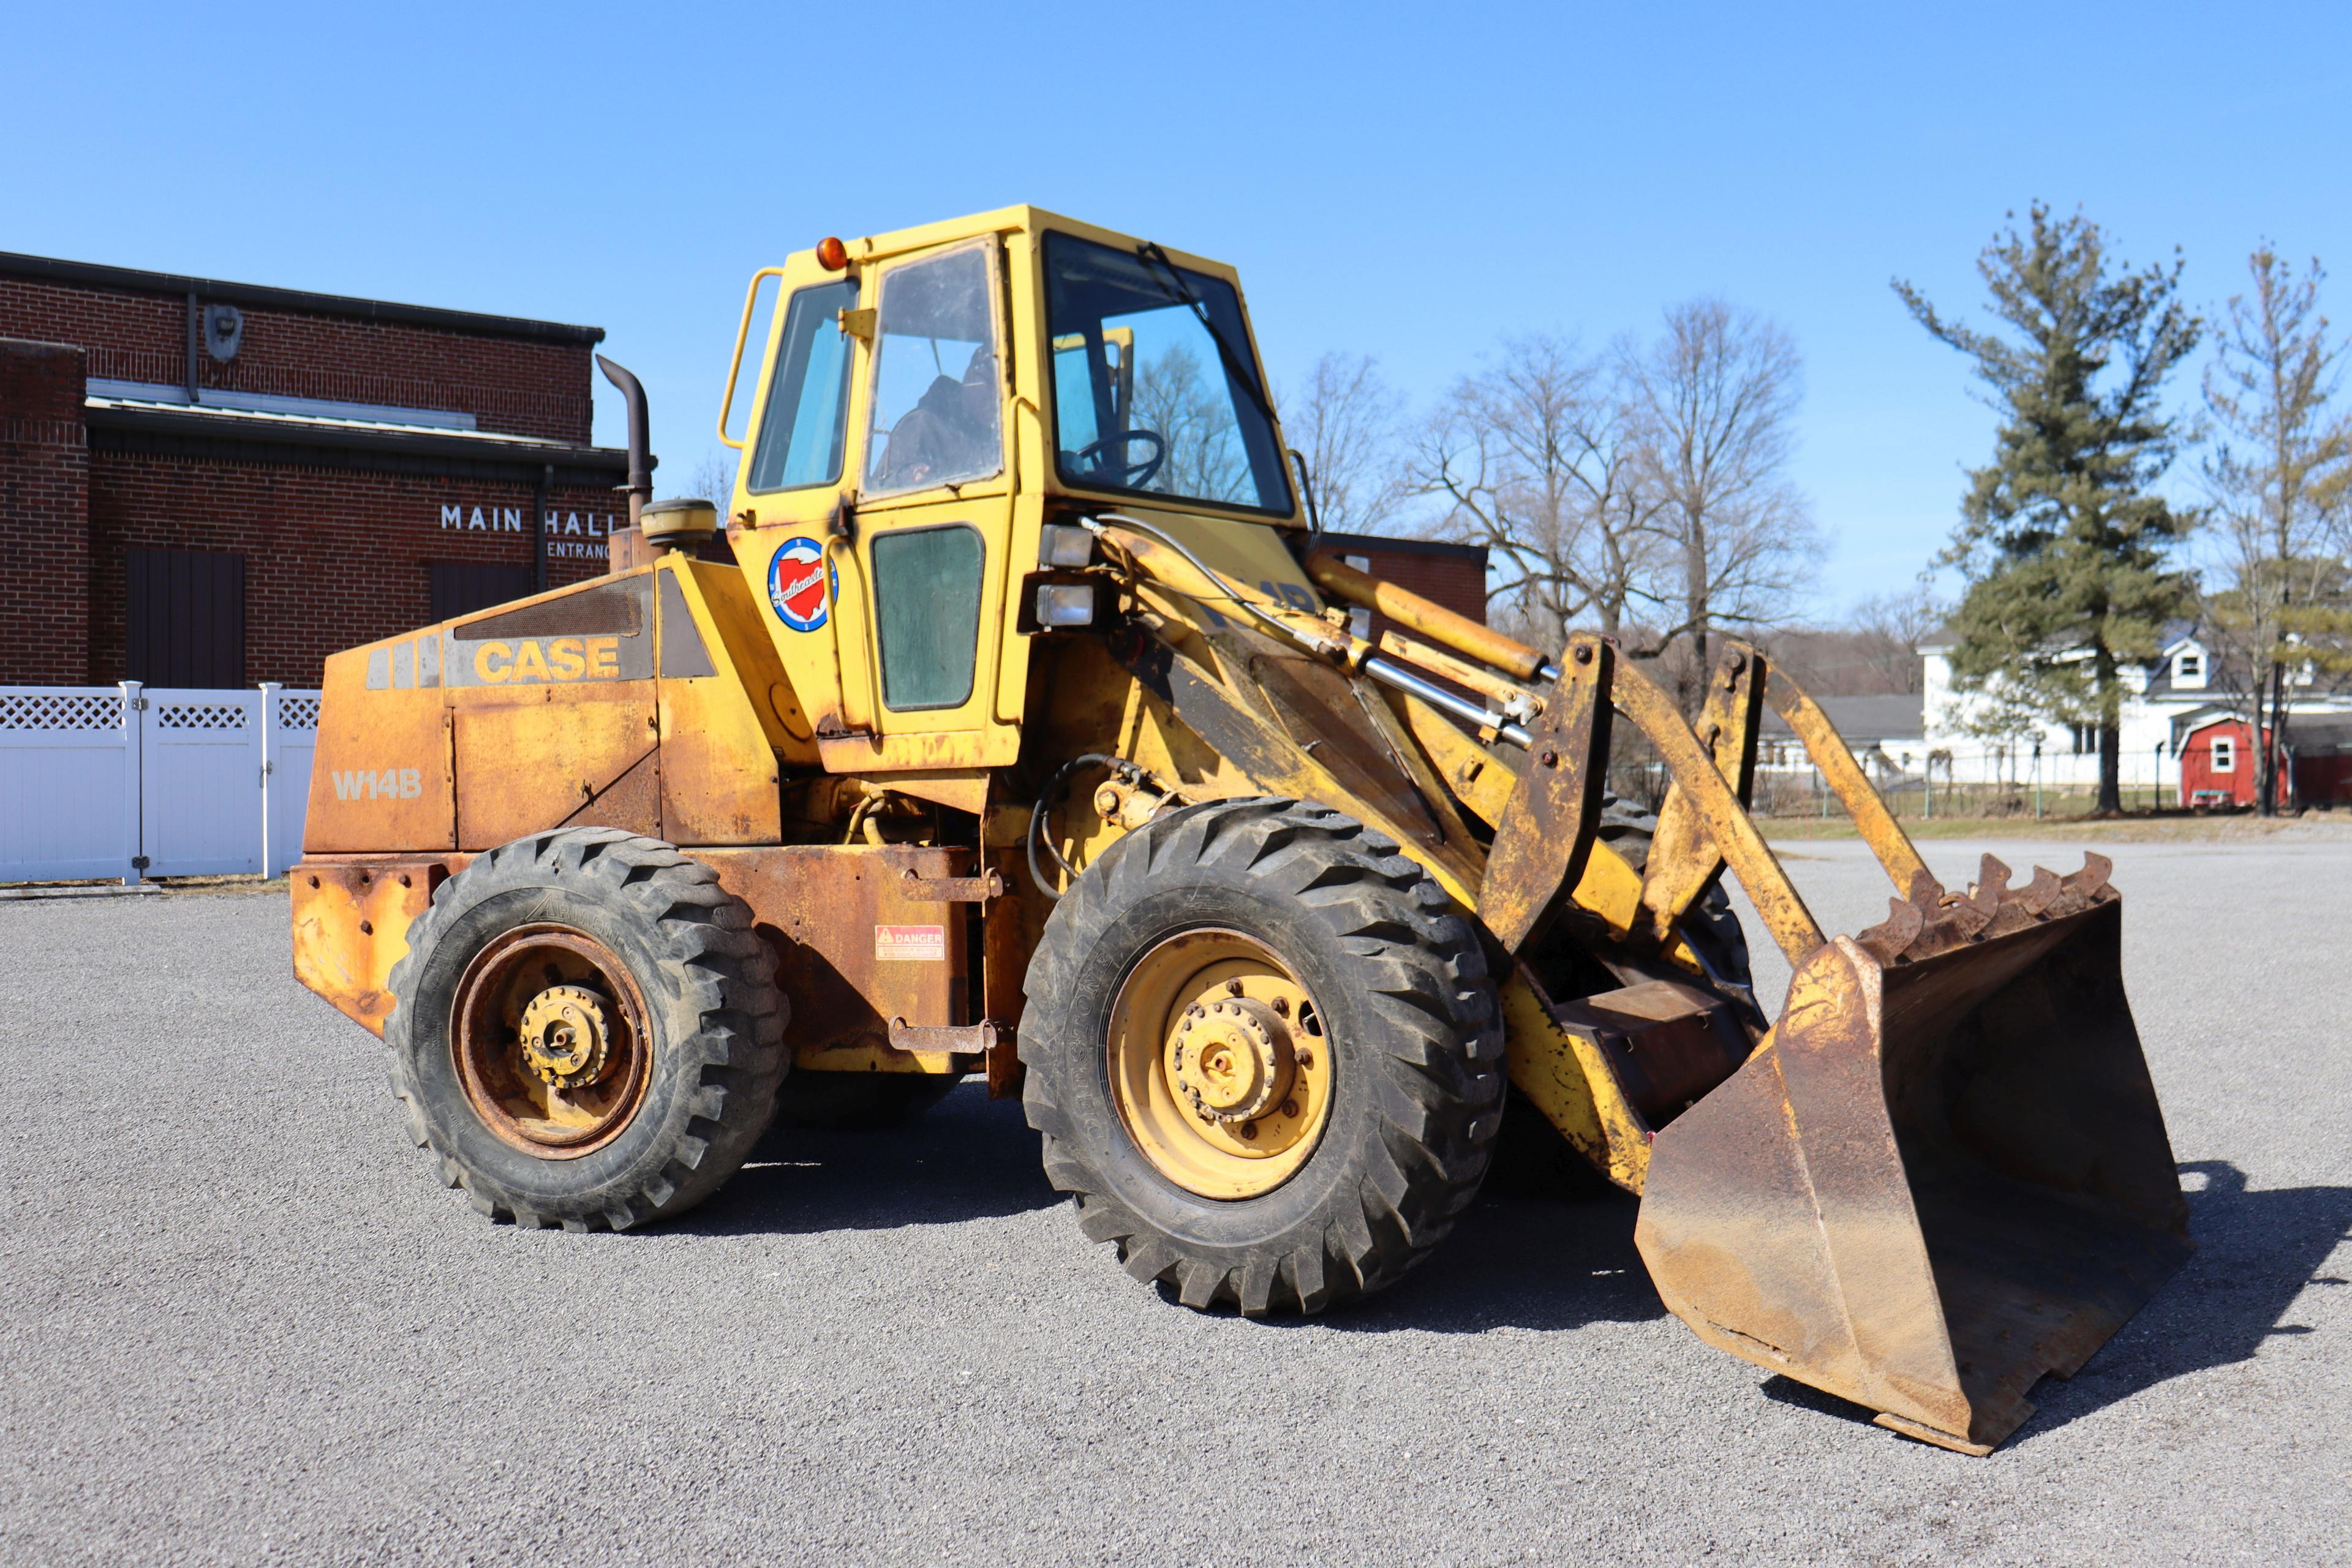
x=1018, y=726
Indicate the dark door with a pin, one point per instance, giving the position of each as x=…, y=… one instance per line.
x=461, y=587
x=185, y=618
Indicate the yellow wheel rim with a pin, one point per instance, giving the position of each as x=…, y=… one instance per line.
x=1220, y=1065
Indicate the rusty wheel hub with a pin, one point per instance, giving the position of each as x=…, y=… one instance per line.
x=550, y=1042
x=566, y=1037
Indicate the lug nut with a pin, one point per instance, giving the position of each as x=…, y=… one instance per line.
x=1232, y=987
x=1249, y=1131
x=1303, y=1058
x=1282, y=1007
x=1290, y=1107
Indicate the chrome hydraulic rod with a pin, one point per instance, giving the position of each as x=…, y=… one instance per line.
x=1403, y=679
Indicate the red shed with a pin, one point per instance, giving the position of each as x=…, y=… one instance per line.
x=2217, y=764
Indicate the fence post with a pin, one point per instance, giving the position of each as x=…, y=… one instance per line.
x=267, y=753
x=134, y=857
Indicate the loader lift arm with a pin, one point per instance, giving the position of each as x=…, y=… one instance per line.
x=1943, y=1172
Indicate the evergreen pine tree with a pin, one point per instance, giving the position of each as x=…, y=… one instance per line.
x=2064, y=543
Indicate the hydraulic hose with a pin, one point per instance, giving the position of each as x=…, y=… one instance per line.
x=1380, y=670
x=1126, y=771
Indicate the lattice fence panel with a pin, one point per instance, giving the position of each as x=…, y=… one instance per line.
x=200, y=716
x=60, y=711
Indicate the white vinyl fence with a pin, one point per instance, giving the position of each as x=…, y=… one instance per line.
x=139, y=781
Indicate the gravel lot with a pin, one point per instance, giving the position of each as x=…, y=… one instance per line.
x=240, y=1322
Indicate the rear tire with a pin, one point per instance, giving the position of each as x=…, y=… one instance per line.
x=586, y=1032
x=1362, y=970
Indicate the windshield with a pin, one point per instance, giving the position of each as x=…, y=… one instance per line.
x=1154, y=391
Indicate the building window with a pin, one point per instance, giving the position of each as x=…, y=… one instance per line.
x=461, y=587
x=185, y=618
x=2189, y=666
x=2225, y=755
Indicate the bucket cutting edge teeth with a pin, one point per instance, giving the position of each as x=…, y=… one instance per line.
x=1933, y=920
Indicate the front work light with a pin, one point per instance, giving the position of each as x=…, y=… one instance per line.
x=1065, y=544
x=1066, y=604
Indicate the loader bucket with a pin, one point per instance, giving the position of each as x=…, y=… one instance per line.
x=1942, y=1175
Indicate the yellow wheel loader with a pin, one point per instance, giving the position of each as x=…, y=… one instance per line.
x=1015, y=726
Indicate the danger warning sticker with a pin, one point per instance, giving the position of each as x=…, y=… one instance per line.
x=919, y=942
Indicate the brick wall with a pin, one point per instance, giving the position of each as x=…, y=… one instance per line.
x=44, y=501
x=520, y=387
x=1456, y=581
x=333, y=557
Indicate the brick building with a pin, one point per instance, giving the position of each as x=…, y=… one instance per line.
x=1454, y=575
x=212, y=484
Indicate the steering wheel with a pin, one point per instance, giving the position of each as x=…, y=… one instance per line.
x=1132, y=475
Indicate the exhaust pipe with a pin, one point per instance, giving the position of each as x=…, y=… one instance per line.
x=641, y=462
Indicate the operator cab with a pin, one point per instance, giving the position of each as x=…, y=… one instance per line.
x=928, y=401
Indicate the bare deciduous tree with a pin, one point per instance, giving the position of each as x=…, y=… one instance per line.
x=1875, y=653
x=1716, y=398
x=1345, y=422
x=2280, y=479
x=713, y=480
x=1538, y=460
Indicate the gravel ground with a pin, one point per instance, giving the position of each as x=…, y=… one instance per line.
x=240, y=1322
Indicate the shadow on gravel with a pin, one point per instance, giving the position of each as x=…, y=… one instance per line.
x=1520, y=1262
x=970, y=1158
x=2256, y=1253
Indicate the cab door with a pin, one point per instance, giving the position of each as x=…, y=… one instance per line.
x=934, y=518
x=789, y=491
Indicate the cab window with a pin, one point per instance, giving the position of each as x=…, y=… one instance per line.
x=927, y=584
x=808, y=398
x=938, y=393
x=1155, y=390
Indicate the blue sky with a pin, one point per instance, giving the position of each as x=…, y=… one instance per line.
x=1410, y=182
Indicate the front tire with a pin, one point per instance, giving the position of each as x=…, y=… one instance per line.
x=586, y=1031
x=1264, y=1054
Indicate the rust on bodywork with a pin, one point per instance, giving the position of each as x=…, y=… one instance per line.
x=858, y=946
x=1684, y=862
x=352, y=915
x=1547, y=826
x=1944, y=1174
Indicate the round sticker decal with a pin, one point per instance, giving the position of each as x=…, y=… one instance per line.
x=796, y=583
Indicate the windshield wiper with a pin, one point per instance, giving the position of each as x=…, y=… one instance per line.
x=1237, y=367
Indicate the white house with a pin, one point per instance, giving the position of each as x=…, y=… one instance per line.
x=2168, y=697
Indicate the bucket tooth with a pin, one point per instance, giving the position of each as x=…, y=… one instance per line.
x=1954, y=924
x=1887, y=941
x=2038, y=895
x=1991, y=883
x=2091, y=881
x=2003, y=905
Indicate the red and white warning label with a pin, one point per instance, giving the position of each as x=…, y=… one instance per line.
x=917, y=942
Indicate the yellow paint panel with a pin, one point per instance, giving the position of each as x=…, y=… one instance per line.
x=528, y=762
x=379, y=777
